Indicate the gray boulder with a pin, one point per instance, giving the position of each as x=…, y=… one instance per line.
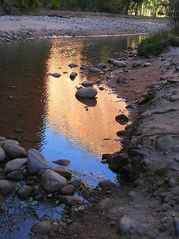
x=52, y=181
x=88, y=93
x=2, y=154
x=14, y=151
x=6, y=187
x=15, y=164
x=36, y=161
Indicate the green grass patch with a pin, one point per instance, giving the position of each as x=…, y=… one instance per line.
x=156, y=43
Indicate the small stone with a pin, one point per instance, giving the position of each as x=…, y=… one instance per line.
x=147, y=64
x=73, y=75
x=68, y=189
x=88, y=83
x=64, y=171
x=136, y=64
x=70, y=200
x=166, y=207
x=122, y=119
x=121, y=80
x=62, y=162
x=56, y=75
x=88, y=93
x=106, y=184
x=25, y=191
x=43, y=227
x=72, y=65
x=14, y=151
x=6, y=187
x=125, y=225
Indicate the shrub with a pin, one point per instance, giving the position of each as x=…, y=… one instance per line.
x=156, y=43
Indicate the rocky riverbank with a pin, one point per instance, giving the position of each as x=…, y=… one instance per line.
x=14, y=28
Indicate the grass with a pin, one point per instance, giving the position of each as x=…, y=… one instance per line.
x=157, y=43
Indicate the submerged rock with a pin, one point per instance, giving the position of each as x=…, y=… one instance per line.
x=6, y=187
x=88, y=83
x=88, y=93
x=36, y=161
x=62, y=162
x=52, y=181
x=72, y=65
x=64, y=171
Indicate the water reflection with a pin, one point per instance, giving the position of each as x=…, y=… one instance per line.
x=42, y=111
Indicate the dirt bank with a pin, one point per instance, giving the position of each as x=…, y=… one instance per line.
x=146, y=205
x=27, y=27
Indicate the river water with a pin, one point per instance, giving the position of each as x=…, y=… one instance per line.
x=42, y=112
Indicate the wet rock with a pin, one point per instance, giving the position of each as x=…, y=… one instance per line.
x=136, y=64
x=62, y=162
x=11, y=141
x=121, y=133
x=68, y=189
x=14, y=151
x=36, y=161
x=73, y=75
x=43, y=227
x=164, y=143
x=72, y=65
x=106, y=184
x=63, y=171
x=121, y=80
x=6, y=187
x=56, y=75
x=1, y=201
x=125, y=225
x=15, y=164
x=122, y=119
x=94, y=70
x=88, y=83
x=25, y=191
x=176, y=225
x=52, y=181
x=2, y=154
x=88, y=93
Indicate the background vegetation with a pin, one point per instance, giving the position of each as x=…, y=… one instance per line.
x=137, y=7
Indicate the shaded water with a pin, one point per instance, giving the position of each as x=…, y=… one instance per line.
x=41, y=111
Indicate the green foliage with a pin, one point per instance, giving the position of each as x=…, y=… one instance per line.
x=156, y=43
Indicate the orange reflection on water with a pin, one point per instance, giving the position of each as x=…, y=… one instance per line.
x=67, y=115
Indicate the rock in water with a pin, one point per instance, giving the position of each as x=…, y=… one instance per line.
x=52, y=181
x=36, y=161
x=43, y=227
x=88, y=83
x=6, y=187
x=88, y=93
x=15, y=164
x=56, y=75
x=73, y=75
x=14, y=151
x=72, y=65
x=63, y=171
x=122, y=119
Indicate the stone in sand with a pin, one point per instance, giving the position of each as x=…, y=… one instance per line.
x=122, y=119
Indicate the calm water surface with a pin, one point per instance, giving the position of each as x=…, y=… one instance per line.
x=42, y=112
